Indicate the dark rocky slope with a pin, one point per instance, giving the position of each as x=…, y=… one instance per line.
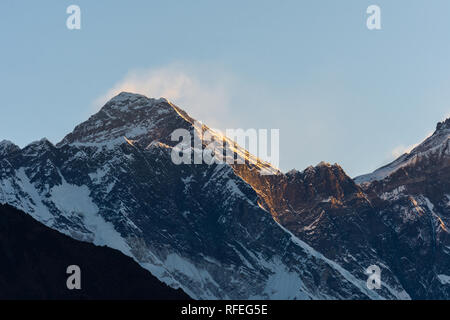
x=34, y=259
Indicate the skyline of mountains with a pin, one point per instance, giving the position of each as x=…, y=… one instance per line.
x=225, y=231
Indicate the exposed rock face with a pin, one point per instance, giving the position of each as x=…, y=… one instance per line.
x=225, y=231
x=35, y=259
x=413, y=201
x=397, y=218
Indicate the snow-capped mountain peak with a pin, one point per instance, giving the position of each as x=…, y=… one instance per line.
x=7, y=146
x=127, y=102
x=127, y=115
x=436, y=146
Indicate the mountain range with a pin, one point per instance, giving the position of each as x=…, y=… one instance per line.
x=227, y=231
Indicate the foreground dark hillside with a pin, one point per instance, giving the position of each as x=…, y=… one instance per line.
x=34, y=259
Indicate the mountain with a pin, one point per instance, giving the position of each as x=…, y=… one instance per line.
x=325, y=208
x=197, y=227
x=222, y=231
x=434, y=151
x=35, y=259
x=396, y=218
x=414, y=199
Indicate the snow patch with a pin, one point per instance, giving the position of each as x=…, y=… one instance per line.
x=361, y=285
x=32, y=203
x=75, y=200
x=444, y=279
x=394, y=194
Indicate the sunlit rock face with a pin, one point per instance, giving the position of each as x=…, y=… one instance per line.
x=397, y=217
x=224, y=231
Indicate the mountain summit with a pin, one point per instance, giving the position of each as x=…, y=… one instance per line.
x=225, y=231
x=128, y=115
x=435, y=149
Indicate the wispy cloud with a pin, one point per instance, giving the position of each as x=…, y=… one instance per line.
x=203, y=94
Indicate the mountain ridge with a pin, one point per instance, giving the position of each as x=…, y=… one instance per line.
x=195, y=227
x=209, y=229
x=437, y=142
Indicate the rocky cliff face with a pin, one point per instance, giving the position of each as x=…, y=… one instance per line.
x=395, y=218
x=413, y=200
x=225, y=231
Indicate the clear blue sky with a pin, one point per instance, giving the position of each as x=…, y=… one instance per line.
x=337, y=91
